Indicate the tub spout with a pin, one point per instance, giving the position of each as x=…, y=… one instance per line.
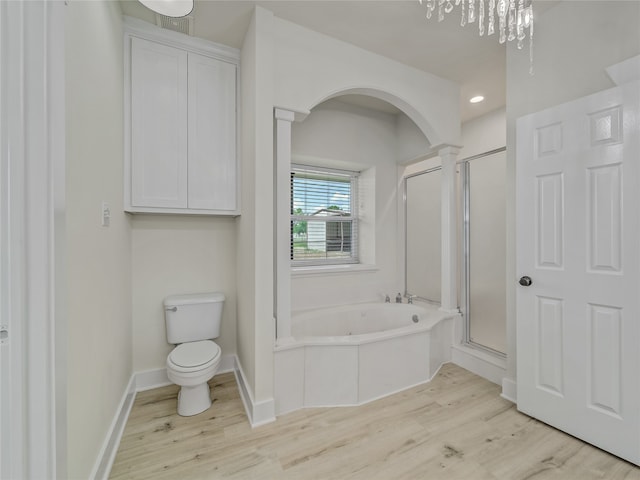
x=398, y=298
x=410, y=298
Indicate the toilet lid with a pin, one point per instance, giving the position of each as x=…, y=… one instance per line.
x=194, y=354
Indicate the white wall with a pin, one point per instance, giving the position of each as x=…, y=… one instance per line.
x=256, y=329
x=339, y=135
x=245, y=326
x=574, y=42
x=412, y=144
x=288, y=66
x=174, y=255
x=311, y=67
x=484, y=134
x=99, y=259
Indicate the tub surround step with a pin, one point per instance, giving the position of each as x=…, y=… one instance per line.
x=331, y=370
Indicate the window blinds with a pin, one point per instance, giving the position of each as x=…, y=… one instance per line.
x=323, y=216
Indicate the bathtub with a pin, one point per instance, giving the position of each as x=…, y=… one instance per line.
x=353, y=354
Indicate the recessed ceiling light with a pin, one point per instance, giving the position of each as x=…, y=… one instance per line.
x=476, y=99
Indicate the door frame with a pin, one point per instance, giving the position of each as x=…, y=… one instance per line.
x=32, y=225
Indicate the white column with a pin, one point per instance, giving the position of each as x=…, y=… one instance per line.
x=282, y=284
x=449, y=293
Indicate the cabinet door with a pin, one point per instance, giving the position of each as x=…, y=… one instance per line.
x=212, y=134
x=158, y=125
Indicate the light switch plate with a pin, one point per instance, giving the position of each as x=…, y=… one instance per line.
x=106, y=214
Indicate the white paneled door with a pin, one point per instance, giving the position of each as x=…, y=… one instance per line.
x=578, y=264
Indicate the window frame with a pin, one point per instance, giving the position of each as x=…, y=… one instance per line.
x=352, y=218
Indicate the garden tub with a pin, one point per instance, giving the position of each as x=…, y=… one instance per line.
x=353, y=354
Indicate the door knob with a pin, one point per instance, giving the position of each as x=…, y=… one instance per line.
x=525, y=281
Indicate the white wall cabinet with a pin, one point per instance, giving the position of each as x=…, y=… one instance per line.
x=181, y=141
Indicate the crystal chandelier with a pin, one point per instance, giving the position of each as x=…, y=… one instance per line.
x=515, y=17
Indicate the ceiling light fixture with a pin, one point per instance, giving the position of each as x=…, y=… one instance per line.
x=169, y=8
x=476, y=99
x=515, y=17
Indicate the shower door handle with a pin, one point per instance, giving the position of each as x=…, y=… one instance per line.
x=525, y=281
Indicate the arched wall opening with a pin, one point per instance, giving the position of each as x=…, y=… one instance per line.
x=293, y=69
x=403, y=106
x=321, y=137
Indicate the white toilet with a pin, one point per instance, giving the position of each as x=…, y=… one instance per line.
x=192, y=321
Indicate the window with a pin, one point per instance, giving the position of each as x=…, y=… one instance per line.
x=324, y=223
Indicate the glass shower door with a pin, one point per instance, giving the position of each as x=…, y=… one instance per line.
x=484, y=206
x=422, y=236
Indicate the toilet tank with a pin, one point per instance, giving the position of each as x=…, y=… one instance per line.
x=193, y=317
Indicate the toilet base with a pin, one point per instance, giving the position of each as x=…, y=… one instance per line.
x=194, y=400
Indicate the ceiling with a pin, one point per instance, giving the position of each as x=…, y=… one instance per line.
x=396, y=29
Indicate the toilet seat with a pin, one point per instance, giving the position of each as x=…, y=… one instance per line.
x=194, y=356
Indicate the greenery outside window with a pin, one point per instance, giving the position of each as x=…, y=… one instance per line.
x=324, y=222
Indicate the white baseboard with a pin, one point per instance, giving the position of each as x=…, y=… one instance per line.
x=481, y=363
x=509, y=390
x=107, y=454
x=258, y=413
x=139, y=382
x=150, y=379
x=227, y=364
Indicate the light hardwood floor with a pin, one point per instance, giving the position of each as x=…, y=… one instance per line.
x=455, y=427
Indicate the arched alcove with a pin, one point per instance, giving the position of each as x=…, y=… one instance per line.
x=335, y=127
x=283, y=160
x=398, y=102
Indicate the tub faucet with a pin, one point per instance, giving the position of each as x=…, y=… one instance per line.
x=398, y=298
x=410, y=298
x=387, y=299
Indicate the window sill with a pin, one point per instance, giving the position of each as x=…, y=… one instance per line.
x=332, y=270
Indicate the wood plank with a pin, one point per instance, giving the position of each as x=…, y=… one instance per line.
x=455, y=427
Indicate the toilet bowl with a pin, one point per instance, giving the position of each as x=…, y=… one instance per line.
x=191, y=365
x=193, y=321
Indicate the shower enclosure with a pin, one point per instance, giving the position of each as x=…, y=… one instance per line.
x=484, y=250
x=422, y=235
x=482, y=230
